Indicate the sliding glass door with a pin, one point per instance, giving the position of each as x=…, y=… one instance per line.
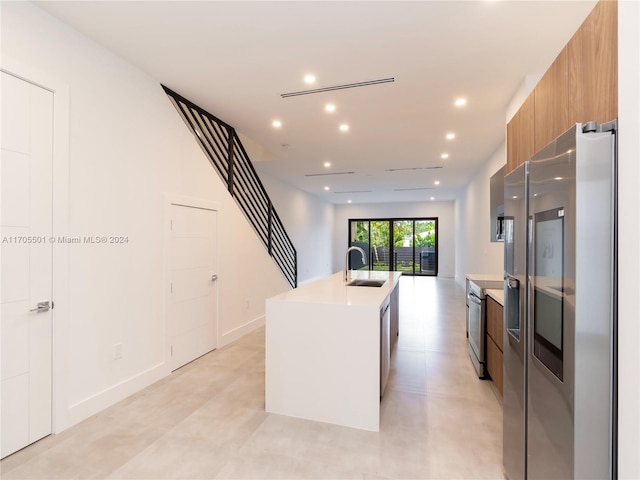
x=407, y=245
x=380, y=246
x=425, y=251
x=359, y=235
x=403, y=246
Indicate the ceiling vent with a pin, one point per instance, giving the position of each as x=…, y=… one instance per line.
x=355, y=191
x=339, y=87
x=327, y=174
x=412, y=189
x=410, y=169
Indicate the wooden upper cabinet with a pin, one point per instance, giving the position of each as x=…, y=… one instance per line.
x=512, y=126
x=520, y=134
x=552, y=102
x=592, y=56
x=580, y=86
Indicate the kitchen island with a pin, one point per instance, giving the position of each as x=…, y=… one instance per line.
x=325, y=344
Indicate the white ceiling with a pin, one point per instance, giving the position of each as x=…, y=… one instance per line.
x=235, y=59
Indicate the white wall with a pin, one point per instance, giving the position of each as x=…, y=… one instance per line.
x=309, y=224
x=128, y=149
x=444, y=211
x=628, y=238
x=474, y=252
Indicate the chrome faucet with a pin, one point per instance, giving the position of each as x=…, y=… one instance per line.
x=346, y=260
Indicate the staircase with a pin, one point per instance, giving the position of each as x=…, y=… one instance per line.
x=221, y=144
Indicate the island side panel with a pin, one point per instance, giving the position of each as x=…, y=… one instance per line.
x=323, y=362
x=395, y=314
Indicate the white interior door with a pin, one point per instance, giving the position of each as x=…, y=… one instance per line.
x=25, y=263
x=192, y=326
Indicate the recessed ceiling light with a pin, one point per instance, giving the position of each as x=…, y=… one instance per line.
x=309, y=78
x=451, y=136
x=515, y=196
x=330, y=107
x=460, y=102
x=348, y=201
x=326, y=188
x=444, y=155
x=327, y=164
x=344, y=127
x=558, y=178
x=437, y=182
x=432, y=198
x=276, y=123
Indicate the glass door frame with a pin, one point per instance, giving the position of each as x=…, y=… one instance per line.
x=391, y=222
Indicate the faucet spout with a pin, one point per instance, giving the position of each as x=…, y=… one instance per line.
x=346, y=260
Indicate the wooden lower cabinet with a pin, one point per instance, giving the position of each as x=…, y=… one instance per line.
x=495, y=324
x=494, y=364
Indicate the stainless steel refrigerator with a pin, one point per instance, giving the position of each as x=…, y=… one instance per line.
x=515, y=335
x=560, y=309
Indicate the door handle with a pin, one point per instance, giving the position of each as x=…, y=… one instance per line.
x=42, y=307
x=214, y=277
x=475, y=299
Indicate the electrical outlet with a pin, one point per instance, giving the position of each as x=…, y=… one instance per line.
x=117, y=351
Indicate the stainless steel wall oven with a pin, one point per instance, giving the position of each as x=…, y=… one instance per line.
x=477, y=322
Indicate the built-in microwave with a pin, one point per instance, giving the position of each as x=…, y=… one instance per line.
x=500, y=223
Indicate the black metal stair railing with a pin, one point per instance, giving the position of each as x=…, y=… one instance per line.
x=221, y=144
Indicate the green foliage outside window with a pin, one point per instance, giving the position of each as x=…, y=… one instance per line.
x=376, y=233
x=425, y=233
x=362, y=232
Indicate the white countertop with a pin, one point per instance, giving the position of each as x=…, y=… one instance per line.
x=479, y=277
x=332, y=290
x=497, y=294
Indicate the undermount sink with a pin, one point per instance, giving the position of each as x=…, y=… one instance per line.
x=361, y=282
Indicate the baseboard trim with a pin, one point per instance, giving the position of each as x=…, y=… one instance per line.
x=241, y=331
x=89, y=406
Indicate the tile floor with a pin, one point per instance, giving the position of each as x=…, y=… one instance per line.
x=207, y=420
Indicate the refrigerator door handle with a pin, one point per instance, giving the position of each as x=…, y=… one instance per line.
x=513, y=283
